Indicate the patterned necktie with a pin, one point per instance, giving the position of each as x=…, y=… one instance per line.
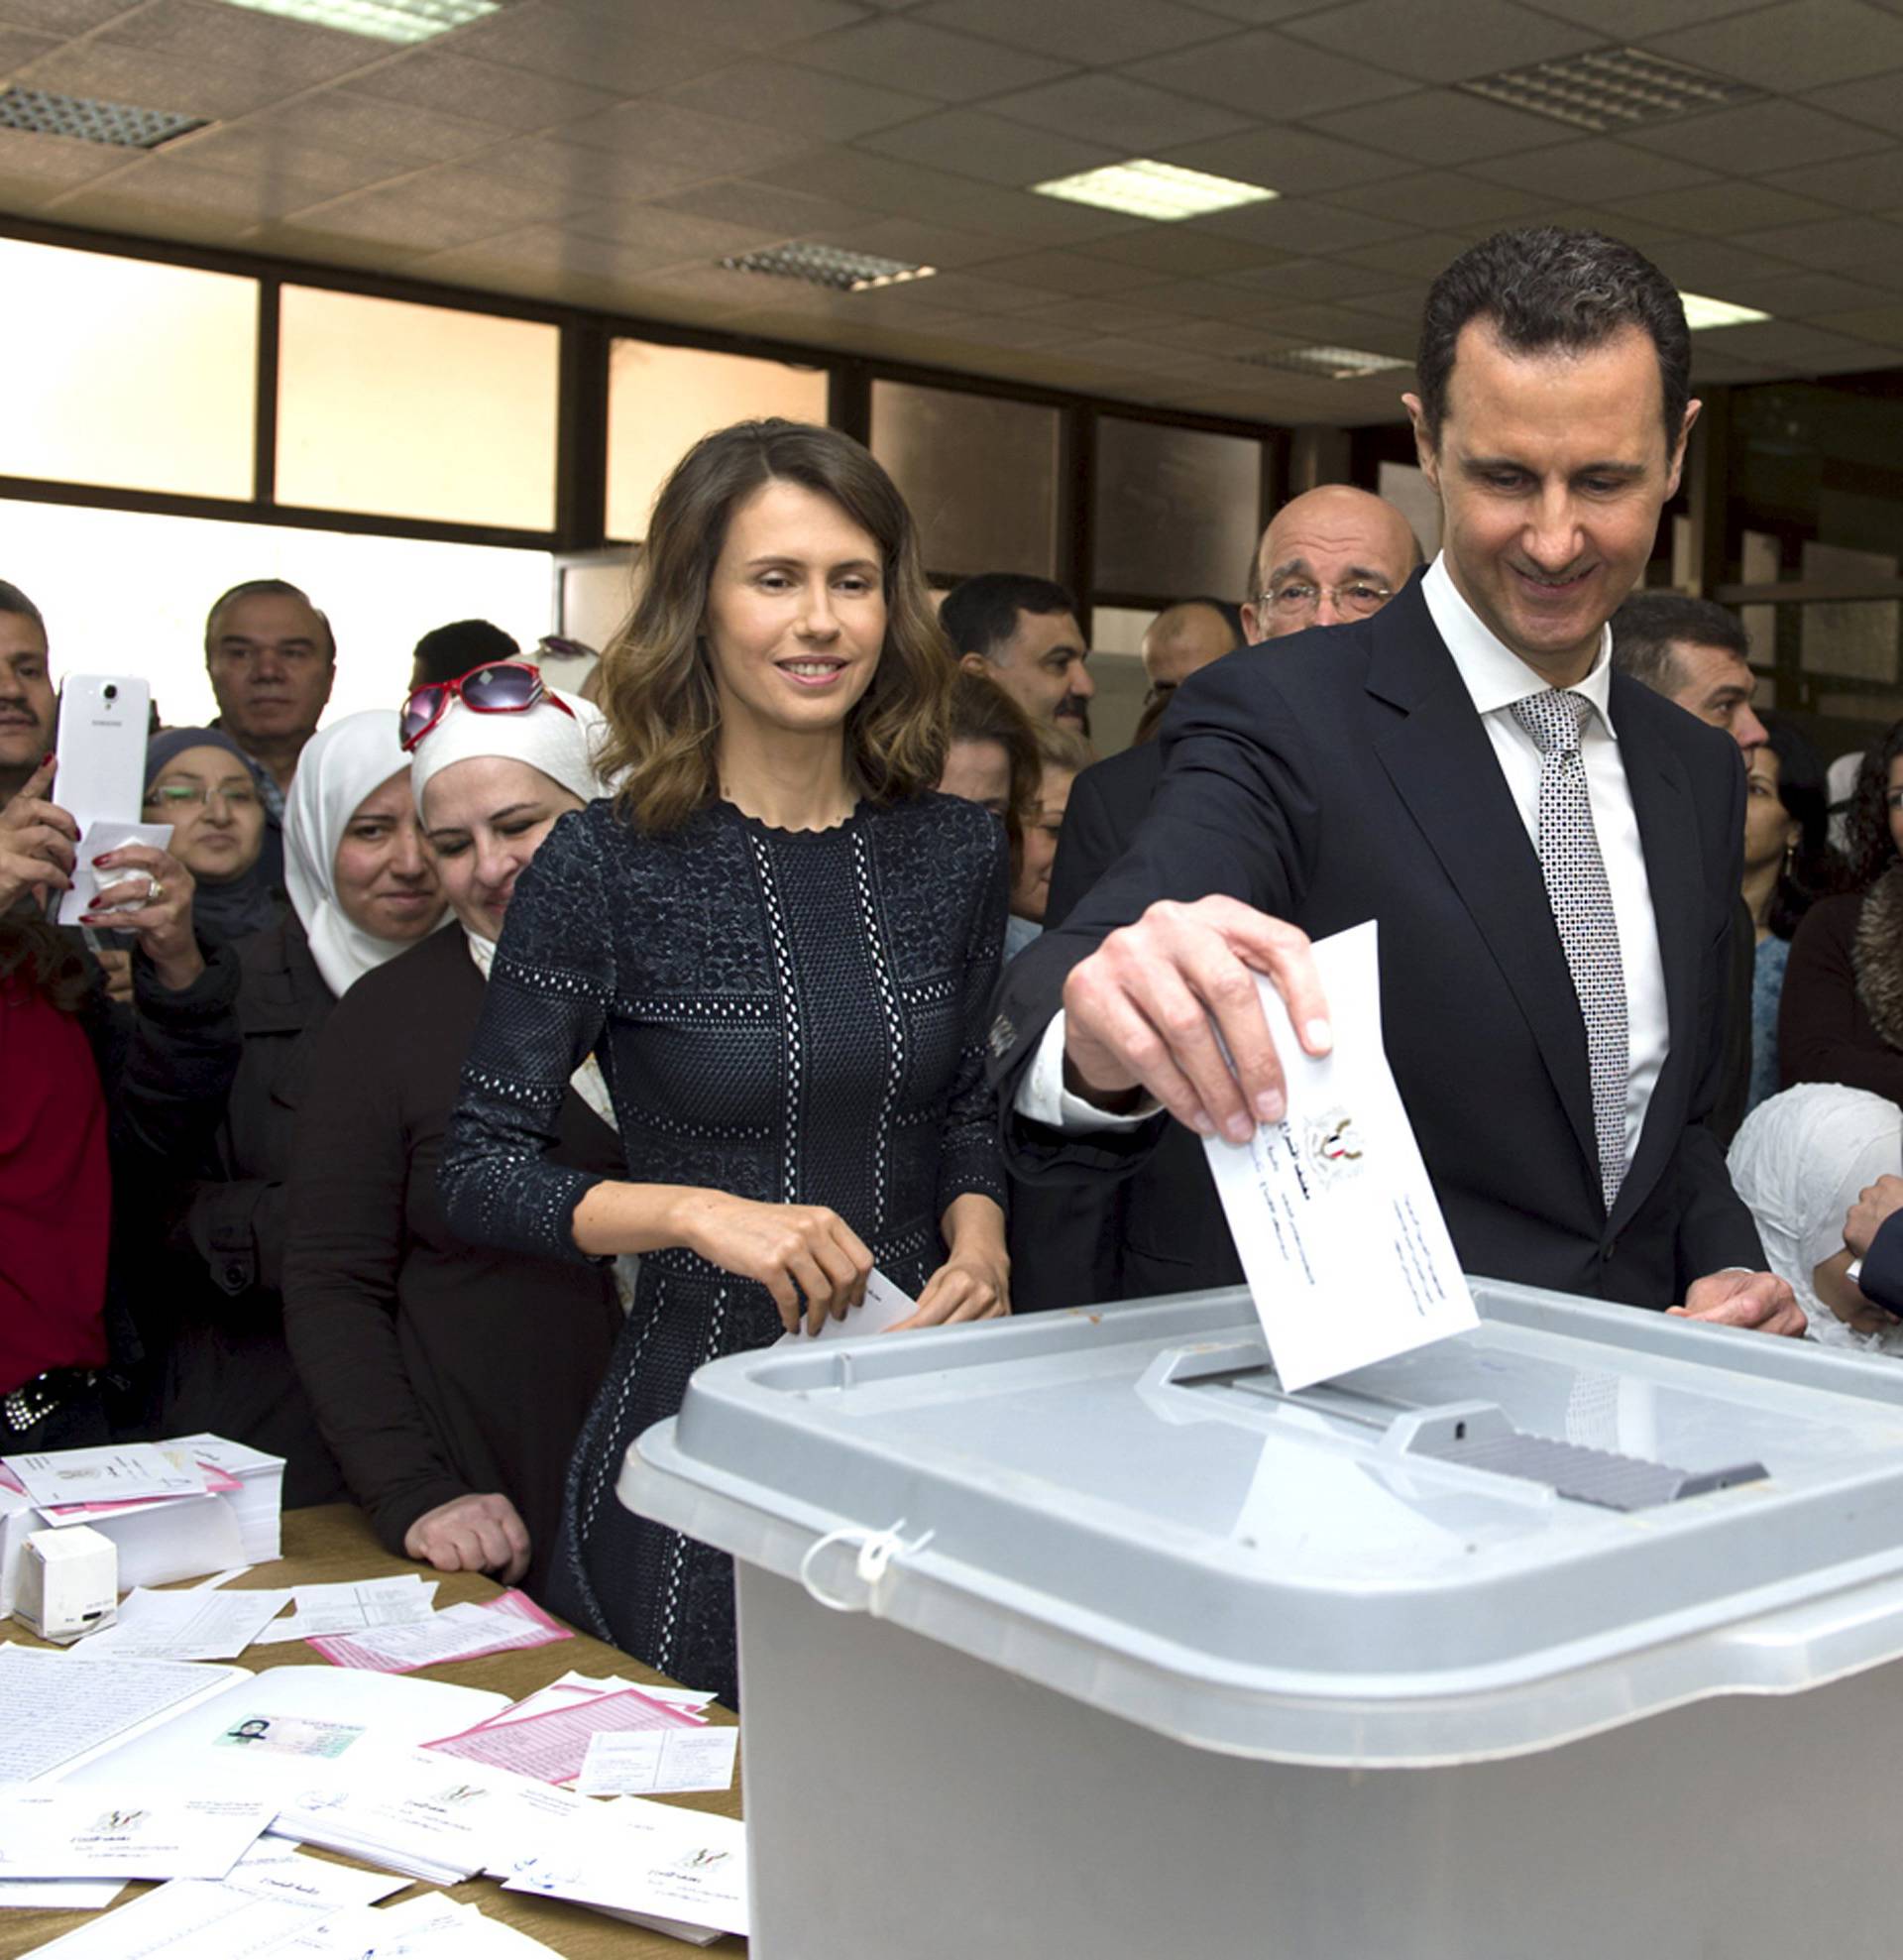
x=1582, y=902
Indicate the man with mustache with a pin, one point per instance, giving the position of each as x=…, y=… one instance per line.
x=1551, y=849
x=27, y=707
x=1023, y=634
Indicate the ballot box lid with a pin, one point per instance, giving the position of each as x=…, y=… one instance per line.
x=1575, y=1516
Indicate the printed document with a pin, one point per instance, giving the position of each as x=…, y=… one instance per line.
x=354, y=1609
x=1335, y=1223
x=65, y=1832
x=195, y=1625
x=658, y=1761
x=551, y=1747
x=58, y=1708
x=883, y=1307
x=458, y=1633
x=114, y=1476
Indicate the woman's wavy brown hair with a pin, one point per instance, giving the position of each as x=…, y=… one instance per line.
x=658, y=690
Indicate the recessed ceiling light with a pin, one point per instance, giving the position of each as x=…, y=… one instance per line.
x=1145, y=189
x=1611, y=89
x=1701, y=312
x=1336, y=363
x=117, y=123
x=381, y=20
x=828, y=265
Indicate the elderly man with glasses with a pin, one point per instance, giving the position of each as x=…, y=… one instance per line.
x=1330, y=555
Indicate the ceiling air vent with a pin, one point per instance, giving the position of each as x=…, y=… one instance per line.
x=1331, y=363
x=1611, y=89
x=828, y=265
x=117, y=123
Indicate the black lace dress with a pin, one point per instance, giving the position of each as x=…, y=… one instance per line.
x=795, y=1017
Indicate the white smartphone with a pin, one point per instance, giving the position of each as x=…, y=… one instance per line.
x=101, y=748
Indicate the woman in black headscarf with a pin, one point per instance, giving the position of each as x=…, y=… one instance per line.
x=200, y=782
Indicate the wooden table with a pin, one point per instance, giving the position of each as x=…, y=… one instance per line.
x=334, y=1541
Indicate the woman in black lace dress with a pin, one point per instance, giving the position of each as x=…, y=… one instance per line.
x=779, y=944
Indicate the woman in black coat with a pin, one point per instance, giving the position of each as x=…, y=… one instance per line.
x=449, y=1379
x=363, y=889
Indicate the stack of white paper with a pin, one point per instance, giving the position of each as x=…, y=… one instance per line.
x=185, y=1626
x=62, y=1832
x=258, y=1500
x=422, y=1929
x=679, y=1872
x=408, y=1810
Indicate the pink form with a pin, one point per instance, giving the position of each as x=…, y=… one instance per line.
x=552, y=1748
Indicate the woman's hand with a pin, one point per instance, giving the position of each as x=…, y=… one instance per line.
x=805, y=1255
x=974, y=1283
x=36, y=840
x=482, y=1533
x=160, y=917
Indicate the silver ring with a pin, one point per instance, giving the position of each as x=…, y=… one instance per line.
x=157, y=892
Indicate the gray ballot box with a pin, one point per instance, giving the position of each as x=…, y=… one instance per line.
x=1570, y=1636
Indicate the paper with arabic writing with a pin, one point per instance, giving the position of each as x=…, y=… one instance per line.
x=1336, y=1224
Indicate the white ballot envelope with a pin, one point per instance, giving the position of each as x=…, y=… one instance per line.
x=1335, y=1223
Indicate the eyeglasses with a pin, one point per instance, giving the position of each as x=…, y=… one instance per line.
x=505, y=687
x=195, y=795
x=1355, y=599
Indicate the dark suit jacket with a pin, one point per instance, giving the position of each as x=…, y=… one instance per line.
x=1883, y=1275
x=1344, y=775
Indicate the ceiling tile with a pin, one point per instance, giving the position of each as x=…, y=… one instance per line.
x=594, y=45
x=1420, y=255
x=1794, y=294
x=589, y=176
x=882, y=184
x=1759, y=137
x=914, y=55
x=1301, y=226
x=287, y=52
x=54, y=160
x=1400, y=305
x=1711, y=266
x=1798, y=344
x=1015, y=330
x=770, y=207
x=1320, y=278
x=1858, y=246
x=265, y=151
x=1597, y=168
x=1271, y=76
x=1628, y=19
x=1057, y=271
x=360, y=126
x=1104, y=107
x=667, y=236
x=111, y=72
x=921, y=242
x=1444, y=40
x=969, y=143
x=18, y=48
x=824, y=108
x=1086, y=33
x=1801, y=44
x=64, y=18
x=970, y=293
x=1876, y=100
x=1715, y=210
x=474, y=201
x=681, y=143
x=1880, y=323
x=1291, y=161
x=1224, y=337
x=731, y=22
x=482, y=92
x=1442, y=126
x=1086, y=318
x=1865, y=183
x=1440, y=198
x=1169, y=248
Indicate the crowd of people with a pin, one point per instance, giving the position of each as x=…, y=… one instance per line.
x=463, y=1075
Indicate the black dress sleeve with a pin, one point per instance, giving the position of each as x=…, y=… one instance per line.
x=545, y=1007
x=970, y=1157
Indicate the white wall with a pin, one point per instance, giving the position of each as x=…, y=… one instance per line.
x=124, y=593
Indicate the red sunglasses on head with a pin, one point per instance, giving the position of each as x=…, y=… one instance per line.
x=502, y=687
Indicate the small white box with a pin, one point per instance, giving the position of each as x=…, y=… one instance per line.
x=68, y=1583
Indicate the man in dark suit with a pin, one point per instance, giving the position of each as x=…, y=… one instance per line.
x=1552, y=851
x=1873, y=1231
x=1333, y=553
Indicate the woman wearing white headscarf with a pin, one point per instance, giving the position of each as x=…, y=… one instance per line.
x=363, y=889
x=449, y=1380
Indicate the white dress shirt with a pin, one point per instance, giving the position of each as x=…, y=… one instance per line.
x=1496, y=677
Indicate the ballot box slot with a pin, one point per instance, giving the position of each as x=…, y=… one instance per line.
x=1477, y=1435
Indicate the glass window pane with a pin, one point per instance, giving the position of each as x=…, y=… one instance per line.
x=415, y=412
x=663, y=400
x=1179, y=509
x=980, y=474
x=127, y=374
x=381, y=595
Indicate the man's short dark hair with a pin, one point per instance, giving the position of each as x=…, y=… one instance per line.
x=277, y=588
x=1546, y=287
x=981, y=613
x=1645, y=627
x=16, y=602
x=449, y=652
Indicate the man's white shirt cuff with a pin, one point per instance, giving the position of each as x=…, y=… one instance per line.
x=1043, y=1097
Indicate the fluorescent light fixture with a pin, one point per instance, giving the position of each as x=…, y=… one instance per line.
x=1701, y=312
x=829, y=266
x=1333, y=363
x=119, y=123
x=402, y=21
x=1145, y=189
x=1611, y=89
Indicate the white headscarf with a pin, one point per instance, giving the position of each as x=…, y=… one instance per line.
x=340, y=766
x=563, y=746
